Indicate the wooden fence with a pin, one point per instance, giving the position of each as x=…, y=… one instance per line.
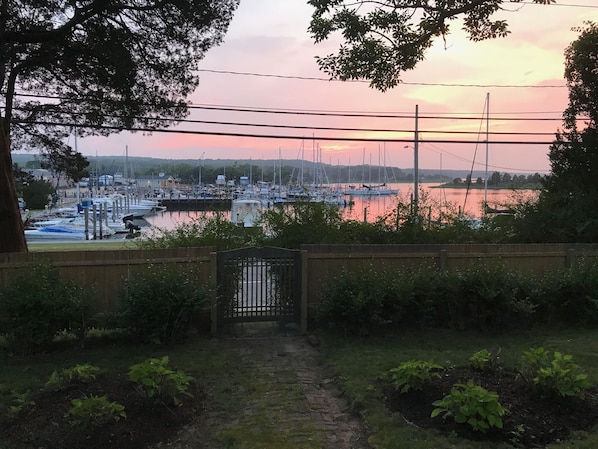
x=323, y=262
x=104, y=272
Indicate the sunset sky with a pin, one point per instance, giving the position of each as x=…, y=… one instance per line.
x=267, y=62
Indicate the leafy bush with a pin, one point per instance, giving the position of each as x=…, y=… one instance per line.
x=161, y=304
x=78, y=373
x=356, y=302
x=487, y=299
x=95, y=411
x=484, y=360
x=413, y=374
x=571, y=296
x=302, y=223
x=36, y=305
x=18, y=403
x=471, y=404
x=556, y=375
x=156, y=381
x=214, y=230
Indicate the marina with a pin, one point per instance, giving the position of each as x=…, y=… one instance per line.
x=120, y=216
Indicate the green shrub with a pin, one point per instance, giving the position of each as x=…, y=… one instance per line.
x=484, y=360
x=356, y=302
x=487, y=298
x=95, y=411
x=554, y=375
x=156, y=381
x=570, y=296
x=413, y=374
x=214, y=230
x=161, y=304
x=303, y=222
x=36, y=305
x=19, y=403
x=471, y=404
x=77, y=374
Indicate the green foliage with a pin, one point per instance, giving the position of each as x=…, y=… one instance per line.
x=302, y=223
x=65, y=161
x=356, y=302
x=95, y=411
x=76, y=374
x=484, y=360
x=566, y=210
x=19, y=403
x=570, y=296
x=36, y=305
x=471, y=404
x=213, y=230
x=162, y=303
x=484, y=298
x=554, y=375
x=381, y=42
x=414, y=374
x=37, y=193
x=156, y=381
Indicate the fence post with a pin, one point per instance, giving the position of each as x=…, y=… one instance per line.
x=443, y=260
x=571, y=258
x=214, y=299
x=304, y=285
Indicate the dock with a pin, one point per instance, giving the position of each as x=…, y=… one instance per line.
x=196, y=204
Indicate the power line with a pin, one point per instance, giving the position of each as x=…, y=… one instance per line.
x=336, y=128
x=406, y=83
x=358, y=114
x=290, y=137
x=261, y=110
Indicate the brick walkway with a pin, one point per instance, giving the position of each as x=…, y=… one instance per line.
x=289, y=401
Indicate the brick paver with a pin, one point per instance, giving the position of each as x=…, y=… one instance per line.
x=297, y=404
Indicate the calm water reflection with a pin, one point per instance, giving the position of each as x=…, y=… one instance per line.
x=370, y=208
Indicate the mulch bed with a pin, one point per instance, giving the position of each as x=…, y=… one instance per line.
x=47, y=425
x=532, y=420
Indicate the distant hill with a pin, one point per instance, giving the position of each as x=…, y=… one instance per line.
x=137, y=164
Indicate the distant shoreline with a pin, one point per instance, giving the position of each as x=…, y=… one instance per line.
x=451, y=185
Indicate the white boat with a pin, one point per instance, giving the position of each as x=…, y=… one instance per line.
x=117, y=204
x=371, y=190
x=54, y=233
x=246, y=212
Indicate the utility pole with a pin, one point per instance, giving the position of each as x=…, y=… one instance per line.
x=416, y=159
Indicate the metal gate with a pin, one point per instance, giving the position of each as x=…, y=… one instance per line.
x=259, y=284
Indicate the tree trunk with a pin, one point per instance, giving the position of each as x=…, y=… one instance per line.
x=12, y=235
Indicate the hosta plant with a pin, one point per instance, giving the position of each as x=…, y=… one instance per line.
x=78, y=373
x=156, y=381
x=414, y=374
x=95, y=411
x=484, y=360
x=554, y=373
x=471, y=404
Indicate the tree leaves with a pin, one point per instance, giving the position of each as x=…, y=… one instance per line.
x=385, y=38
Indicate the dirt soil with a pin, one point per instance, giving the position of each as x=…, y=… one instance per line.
x=532, y=420
x=48, y=426
x=199, y=422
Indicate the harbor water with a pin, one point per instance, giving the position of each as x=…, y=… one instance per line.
x=370, y=208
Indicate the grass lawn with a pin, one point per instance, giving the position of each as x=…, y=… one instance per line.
x=357, y=365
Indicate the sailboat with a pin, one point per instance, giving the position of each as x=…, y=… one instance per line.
x=369, y=189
